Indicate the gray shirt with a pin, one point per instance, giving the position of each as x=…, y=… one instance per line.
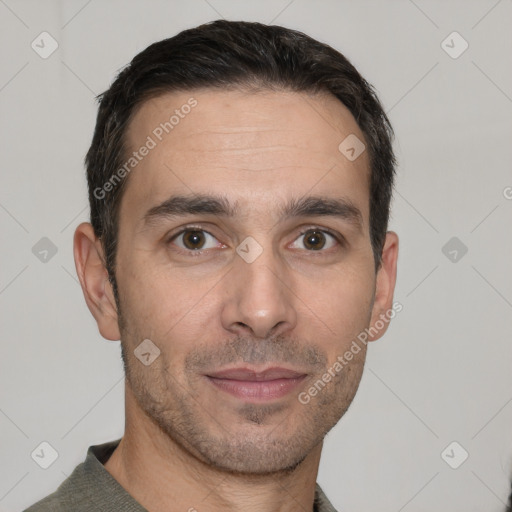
x=91, y=488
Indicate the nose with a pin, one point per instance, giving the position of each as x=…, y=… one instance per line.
x=260, y=301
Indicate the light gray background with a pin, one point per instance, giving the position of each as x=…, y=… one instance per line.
x=443, y=371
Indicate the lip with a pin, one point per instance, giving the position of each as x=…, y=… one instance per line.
x=249, y=384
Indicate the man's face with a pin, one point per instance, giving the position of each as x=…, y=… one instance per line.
x=222, y=309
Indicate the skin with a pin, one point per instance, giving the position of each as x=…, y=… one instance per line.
x=188, y=444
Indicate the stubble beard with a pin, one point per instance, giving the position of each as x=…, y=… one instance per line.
x=254, y=443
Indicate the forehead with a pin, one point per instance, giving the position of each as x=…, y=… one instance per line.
x=259, y=146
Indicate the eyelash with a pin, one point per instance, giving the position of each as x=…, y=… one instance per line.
x=339, y=238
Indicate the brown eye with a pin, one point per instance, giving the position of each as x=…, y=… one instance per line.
x=315, y=240
x=193, y=239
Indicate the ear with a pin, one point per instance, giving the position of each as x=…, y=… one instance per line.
x=93, y=276
x=384, y=287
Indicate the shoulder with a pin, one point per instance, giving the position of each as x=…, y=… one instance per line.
x=89, y=488
x=71, y=495
x=51, y=503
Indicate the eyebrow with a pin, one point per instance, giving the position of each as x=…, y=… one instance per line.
x=309, y=206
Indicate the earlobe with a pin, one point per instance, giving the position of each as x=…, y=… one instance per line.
x=384, y=287
x=93, y=277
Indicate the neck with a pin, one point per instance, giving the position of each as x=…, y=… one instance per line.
x=163, y=476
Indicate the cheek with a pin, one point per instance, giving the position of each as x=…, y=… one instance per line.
x=343, y=303
x=160, y=304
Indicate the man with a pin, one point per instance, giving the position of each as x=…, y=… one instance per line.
x=240, y=177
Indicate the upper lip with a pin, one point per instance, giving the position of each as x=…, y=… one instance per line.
x=247, y=374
